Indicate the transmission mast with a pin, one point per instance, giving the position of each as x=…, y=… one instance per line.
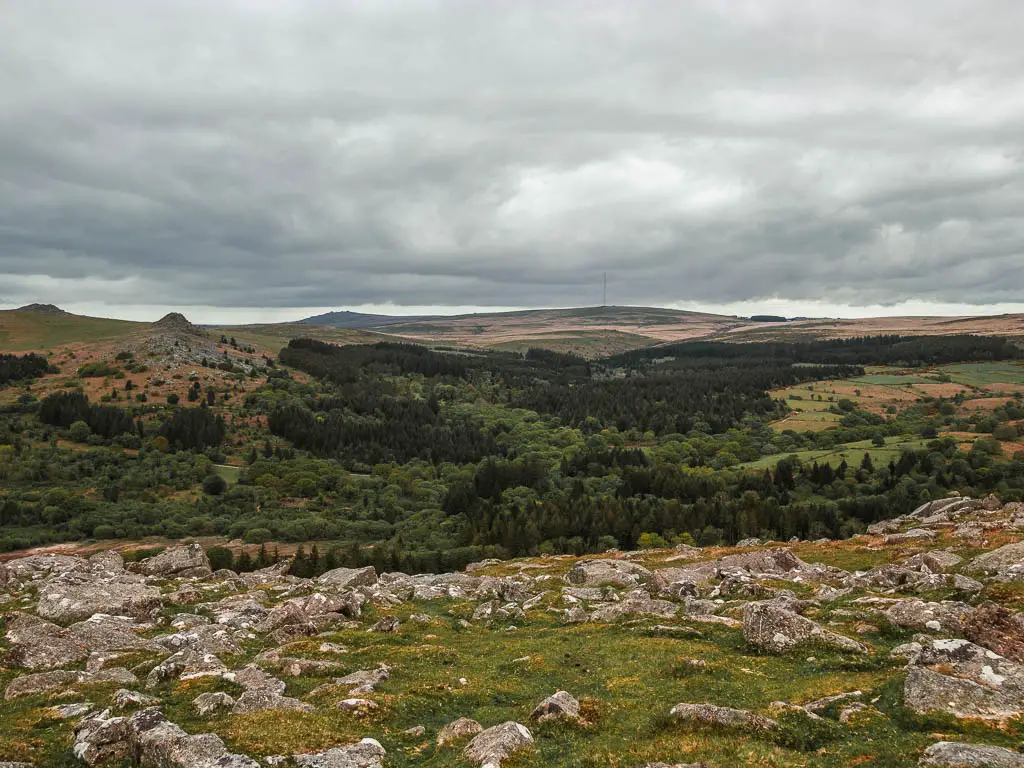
x=604, y=301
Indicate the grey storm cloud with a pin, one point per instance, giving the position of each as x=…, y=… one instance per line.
x=310, y=153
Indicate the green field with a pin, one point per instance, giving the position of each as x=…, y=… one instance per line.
x=983, y=374
x=851, y=452
x=29, y=331
x=228, y=472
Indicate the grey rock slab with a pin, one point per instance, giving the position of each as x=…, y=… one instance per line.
x=560, y=705
x=712, y=714
x=177, y=562
x=491, y=747
x=951, y=754
x=779, y=630
x=458, y=729
x=596, y=573
x=74, y=596
x=349, y=577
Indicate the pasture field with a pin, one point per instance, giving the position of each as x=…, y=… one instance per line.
x=852, y=453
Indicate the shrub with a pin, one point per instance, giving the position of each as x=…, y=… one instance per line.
x=1005, y=432
x=96, y=370
x=258, y=535
x=79, y=431
x=220, y=557
x=173, y=399
x=214, y=485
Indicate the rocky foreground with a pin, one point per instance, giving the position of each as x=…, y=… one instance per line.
x=165, y=663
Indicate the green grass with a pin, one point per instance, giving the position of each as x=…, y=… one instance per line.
x=273, y=336
x=983, y=374
x=228, y=473
x=24, y=331
x=851, y=452
x=626, y=676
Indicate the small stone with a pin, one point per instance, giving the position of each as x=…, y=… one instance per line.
x=560, y=705
x=457, y=730
x=490, y=747
x=206, y=704
x=66, y=711
x=386, y=624
x=357, y=705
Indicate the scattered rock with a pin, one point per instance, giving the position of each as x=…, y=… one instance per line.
x=458, y=729
x=723, y=716
x=75, y=596
x=44, y=682
x=153, y=741
x=177, y=562
x=368, y=753
x=964, y=679
x=365, y=680
x=945, y=617
x=264, y=699
x=68, y=711
x=596, y=573
x=914, y=534
x=38, y=644
x=206, y=704
x=490, y=747
x=994, y=627
x=349, y=577
x=124, y=698
x=951, y=754
x=779, y=630
x=560, y=705
x=386, y=624
x=635, y=606
x=357, y=705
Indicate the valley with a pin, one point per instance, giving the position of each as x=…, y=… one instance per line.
x=385, y=536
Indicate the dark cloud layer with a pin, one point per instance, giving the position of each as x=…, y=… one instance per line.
x=312, y=154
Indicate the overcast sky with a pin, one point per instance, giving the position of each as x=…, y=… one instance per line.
x=258, y=159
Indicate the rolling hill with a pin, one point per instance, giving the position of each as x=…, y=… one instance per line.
x=34, y=329
x=587, y=331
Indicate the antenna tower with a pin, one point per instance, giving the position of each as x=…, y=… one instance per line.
x=604, y=301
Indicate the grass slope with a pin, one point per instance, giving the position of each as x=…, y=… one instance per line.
x=22, y=331
x=273, y=336
x=627, y=676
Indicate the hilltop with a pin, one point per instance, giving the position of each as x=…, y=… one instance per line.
x=361, y=321
x=177, y=323
x=44, y=327
x=43, y=309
